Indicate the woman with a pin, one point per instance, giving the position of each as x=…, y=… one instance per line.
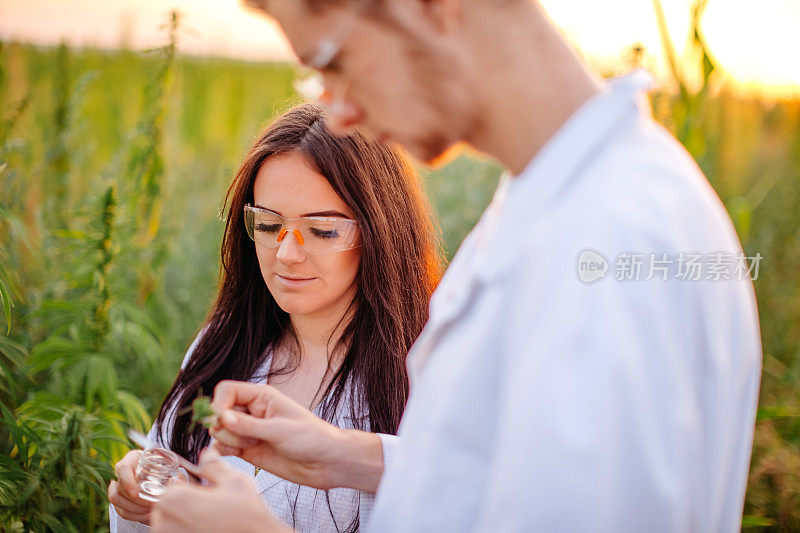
x=328, y=261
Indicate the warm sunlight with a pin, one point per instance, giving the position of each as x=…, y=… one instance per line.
x=615, y=343
x=755, y=44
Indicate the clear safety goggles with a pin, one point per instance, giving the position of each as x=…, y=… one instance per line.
x=316, y=235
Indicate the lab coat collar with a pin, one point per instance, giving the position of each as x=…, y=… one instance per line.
x=528, y=195
x=490, y=249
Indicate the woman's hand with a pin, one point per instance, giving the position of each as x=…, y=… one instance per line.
x=123, y=494
x=230, y=502
x=283, y=437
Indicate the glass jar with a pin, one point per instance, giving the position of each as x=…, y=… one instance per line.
x=156, y=468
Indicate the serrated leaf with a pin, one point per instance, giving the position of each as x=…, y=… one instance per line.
x=56, y=349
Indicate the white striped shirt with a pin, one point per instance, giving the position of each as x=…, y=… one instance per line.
x=303, y=508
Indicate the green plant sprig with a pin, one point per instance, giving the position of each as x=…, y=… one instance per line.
x=203, y=413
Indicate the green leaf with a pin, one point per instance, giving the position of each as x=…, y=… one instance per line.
x=56, y=349
x=12, y=351
x=203, y=413
x=708, y=66
x=55, y=313
x=5, y=296
x=741, y=211
x=142, y=343
x=669, y=49
x=12, y=356
x=776, y=412
x=91, y=381
x=749, y=520
x=71, y=234
x=43, y=405
x=32, y=486
x=133, y=410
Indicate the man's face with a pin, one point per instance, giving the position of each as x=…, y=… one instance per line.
x=396, y=78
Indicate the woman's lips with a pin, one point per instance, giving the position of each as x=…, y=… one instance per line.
x=294, y=282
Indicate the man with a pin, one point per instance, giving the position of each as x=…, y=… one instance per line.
x=588, y=365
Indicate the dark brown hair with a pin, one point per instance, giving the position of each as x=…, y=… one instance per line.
x=399, y=268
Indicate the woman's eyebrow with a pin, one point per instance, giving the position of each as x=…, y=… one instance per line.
x=330, y=213
x=326, y=214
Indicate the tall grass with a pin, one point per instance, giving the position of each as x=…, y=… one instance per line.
x=64, y=413
x=110, y=230
x=750, y=150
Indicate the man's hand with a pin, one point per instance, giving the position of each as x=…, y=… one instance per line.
x=283, y=437
x=229, y=503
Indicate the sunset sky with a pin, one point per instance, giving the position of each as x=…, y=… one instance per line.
x=756, y=43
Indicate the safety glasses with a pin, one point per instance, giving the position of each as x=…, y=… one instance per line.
x=316, y=235
x=329, y=90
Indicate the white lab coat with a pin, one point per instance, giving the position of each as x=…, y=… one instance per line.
x=543, y=403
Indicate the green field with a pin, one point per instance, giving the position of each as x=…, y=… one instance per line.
x=113, y=167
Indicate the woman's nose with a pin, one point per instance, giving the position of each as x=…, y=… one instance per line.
x=290, y=249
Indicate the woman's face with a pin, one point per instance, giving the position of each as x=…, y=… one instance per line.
x=301, y=283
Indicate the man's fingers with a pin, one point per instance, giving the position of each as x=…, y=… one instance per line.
x=243, y=427
x=224, y=449
x=228, y=394
x=169, y=513
x=160, y=523
x=207, y=456
x=212, y=468
x=232, y=440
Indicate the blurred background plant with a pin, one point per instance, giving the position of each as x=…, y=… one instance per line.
x=750, y=151
x=112, y=170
